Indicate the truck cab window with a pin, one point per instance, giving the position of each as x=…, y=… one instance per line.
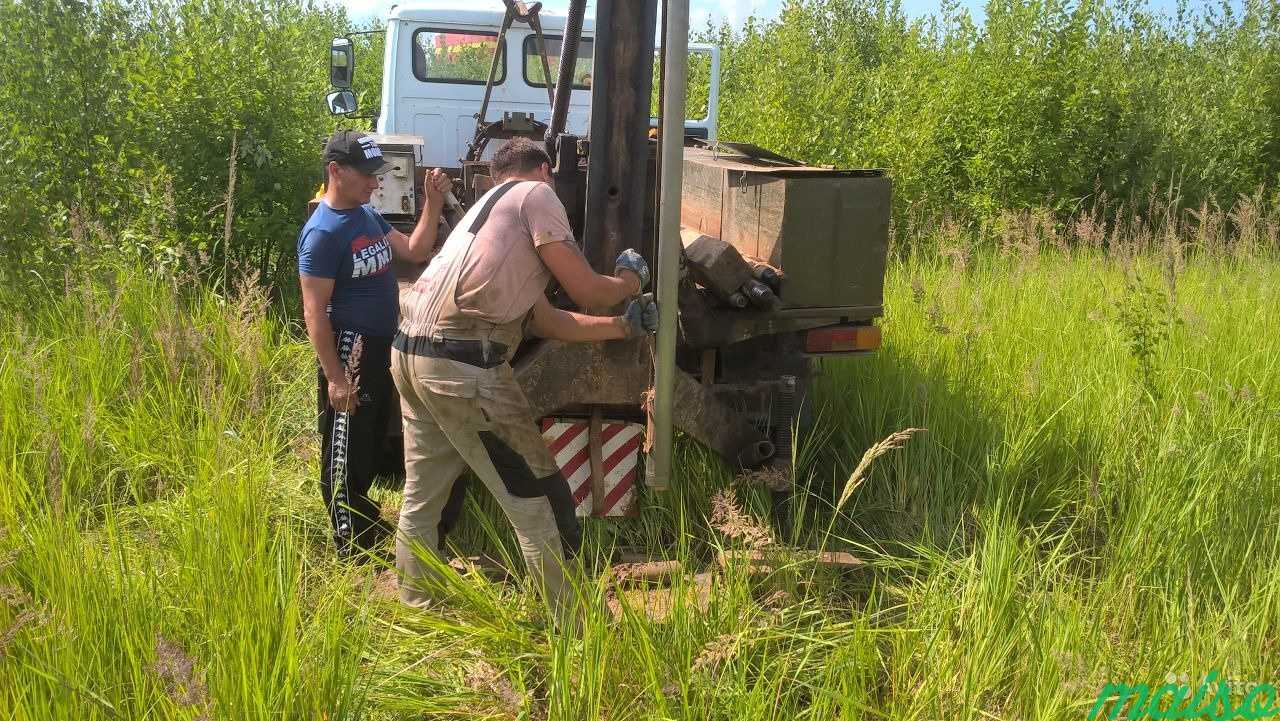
x=533, y=62
x=450, y=56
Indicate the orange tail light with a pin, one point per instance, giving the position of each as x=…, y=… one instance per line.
x=842, y=339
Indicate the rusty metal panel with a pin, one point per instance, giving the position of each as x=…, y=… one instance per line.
x=556, y=375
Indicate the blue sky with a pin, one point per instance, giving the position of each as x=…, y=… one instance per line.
x=735, y=11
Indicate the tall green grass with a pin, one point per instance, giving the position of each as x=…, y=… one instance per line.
x=1072, y=515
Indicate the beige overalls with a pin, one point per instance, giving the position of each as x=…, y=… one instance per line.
x=462, y=407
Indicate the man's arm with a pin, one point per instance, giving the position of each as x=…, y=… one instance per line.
x=421, y=244
x=586, y=287
x=551, y=322
x=315, y=297
x=640, y=317
x=552, y=236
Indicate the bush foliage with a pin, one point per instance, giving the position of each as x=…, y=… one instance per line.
x=1048, y=103
x=126, y=121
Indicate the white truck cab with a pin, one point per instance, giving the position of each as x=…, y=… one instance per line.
x=436, y=64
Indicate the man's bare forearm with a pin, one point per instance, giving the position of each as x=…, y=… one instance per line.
x=588, y=289
x=422, y=241
x=577, y=327
x=320, y=332
x=611, y=290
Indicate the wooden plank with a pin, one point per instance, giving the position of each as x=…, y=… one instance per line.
x=625, y=574
x=701, y=194
x=595, y=452
x=826, y=230
x=708, y=366
x=765, y=561
x=840, y=559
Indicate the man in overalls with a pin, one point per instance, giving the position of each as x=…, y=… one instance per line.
x=461, y=404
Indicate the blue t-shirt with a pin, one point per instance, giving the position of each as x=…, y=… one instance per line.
x=351, y=247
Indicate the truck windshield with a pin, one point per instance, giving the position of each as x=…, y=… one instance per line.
x=533, y=62
x=451, y=56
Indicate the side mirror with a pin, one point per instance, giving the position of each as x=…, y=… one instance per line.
x=341, y=102
x=342, y=62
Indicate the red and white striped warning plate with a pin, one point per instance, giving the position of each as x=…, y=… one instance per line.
x=620, y=455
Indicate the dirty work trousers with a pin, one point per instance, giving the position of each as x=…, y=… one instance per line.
x=457, y=416
x=352, y=444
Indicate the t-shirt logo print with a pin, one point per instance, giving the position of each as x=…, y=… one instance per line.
x=369, y=256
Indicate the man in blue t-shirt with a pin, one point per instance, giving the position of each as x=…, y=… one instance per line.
x=350, y=302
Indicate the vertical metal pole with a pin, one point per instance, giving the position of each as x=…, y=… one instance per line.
x=499, y=55
x=568, y=63
x=536, y=24
x=675, y=46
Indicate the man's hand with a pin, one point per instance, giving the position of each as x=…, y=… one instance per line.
x=436, y=184
x=629, y=261
x=343, y=396
x=420, y=245
x=641, y=316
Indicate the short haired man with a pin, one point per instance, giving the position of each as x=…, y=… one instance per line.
x=350, y=302
x=459, y=399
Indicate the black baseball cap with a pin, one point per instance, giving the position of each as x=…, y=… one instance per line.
x=354, y=148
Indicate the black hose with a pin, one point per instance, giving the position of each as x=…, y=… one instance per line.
x=568, y=62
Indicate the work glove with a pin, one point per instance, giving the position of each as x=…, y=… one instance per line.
x=641, y=316
x=630, y=260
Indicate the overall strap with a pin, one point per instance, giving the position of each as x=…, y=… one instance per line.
x=493, y=197
x=484, y=329
x=441, y=300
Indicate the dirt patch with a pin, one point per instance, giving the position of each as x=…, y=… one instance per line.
x=386, y=585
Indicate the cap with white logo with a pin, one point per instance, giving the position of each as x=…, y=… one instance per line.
x=354, y=148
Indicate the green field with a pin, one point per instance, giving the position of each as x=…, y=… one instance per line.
x=1082, y=314
x=1095, y=499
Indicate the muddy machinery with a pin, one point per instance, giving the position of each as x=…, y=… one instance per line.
x=761, y=263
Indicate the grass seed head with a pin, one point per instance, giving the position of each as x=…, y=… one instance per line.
x=353, y=363
x=7, y=560
x=771, y=477
x=889, y=443
x=483, y=677
x=917, y=290
x=26, y=617
x=728, y=518
x=13, y=596
x=716, y=653
x=177, y=669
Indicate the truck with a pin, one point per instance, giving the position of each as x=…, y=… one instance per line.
x=762, y=264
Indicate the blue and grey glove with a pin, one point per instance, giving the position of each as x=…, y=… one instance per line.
x=641, y=316
x=630, y=260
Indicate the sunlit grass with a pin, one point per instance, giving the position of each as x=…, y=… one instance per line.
x=1062, y=522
